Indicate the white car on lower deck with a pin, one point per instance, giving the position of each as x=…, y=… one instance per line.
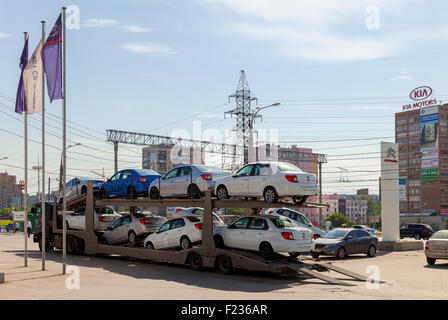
x=266, y=234
x=269, y=180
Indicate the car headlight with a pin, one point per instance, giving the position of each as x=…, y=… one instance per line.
x=331, y=245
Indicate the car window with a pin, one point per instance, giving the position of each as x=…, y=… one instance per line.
x=126, y=221
x=184, y=171
x=164, y=227
x=117, y=223
x=240, y=223
x=198, y=211
x=262, y=169
x=126, y=175
x=336, y=234
x=353, y=234
x=282, y=222
x=115, y=176
x=245, y=171
x=283, y=166
x=288, y=214
x=176, y=223
x=258, y=223
x=362, y=233
x=81, y=209
x=303, y=220
x=171, y=174
x=194, y=219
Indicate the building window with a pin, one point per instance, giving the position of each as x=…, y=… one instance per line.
x=401, y=122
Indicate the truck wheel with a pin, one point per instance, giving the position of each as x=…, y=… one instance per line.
x=224, y=264
x=266, y=251
x=39, y=239
x=270, y=195
x=195, y=261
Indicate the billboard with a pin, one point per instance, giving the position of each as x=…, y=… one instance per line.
x=402, y=189
x=429, y=118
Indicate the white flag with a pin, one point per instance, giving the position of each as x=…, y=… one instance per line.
x=32, y=81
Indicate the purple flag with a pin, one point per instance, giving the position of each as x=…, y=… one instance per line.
x=20, y=98
x=52, y=60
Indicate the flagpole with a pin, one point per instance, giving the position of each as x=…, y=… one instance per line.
x=64, y=159
x=25, y=201
x=44, y=230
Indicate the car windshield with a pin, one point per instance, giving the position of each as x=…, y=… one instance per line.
x=283, y=166
x=336, y=234
x=194, y=219
x=210, y=169
x=440, y=235
x=283, y=222
x=146, y=172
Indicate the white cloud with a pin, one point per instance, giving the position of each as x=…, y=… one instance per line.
x=149, y=49
x=135, y=28
x=5, y=35
x=99, y=23
x=403, y=76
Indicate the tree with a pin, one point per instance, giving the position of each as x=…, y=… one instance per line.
x=337, y=219
x=370, y=204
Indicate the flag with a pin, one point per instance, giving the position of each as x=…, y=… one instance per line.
x=20, y=98
x=32, y=82
x=52, y=59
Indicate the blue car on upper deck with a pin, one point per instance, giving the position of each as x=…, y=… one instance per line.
x=128, y=183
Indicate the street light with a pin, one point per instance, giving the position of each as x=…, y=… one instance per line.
x=251, y=152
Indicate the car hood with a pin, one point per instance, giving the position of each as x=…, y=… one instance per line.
x=325, y=241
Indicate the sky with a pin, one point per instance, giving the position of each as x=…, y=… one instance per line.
x=339, y=68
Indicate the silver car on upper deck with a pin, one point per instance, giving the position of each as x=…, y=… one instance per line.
x=186, y=181
x=78, y=186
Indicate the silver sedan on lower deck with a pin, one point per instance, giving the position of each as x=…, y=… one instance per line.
x=437, y=247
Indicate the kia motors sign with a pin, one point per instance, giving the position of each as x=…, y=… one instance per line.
x=422, y=97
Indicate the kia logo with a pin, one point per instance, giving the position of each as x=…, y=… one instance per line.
x=420, y=93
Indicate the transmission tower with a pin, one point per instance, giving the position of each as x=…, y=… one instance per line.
x=243, y=113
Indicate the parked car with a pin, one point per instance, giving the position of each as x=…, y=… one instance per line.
x=341, y=242
x=416, y=230
x=266, y=234
x=186, y=180
x=77, y=187
x=364, y=227
x=299, y=219
x=105, y=217
x=128, y=183
x=437, y=247
x=269, y=180
x=133, y=227
x=10, y=227
x=182, y=232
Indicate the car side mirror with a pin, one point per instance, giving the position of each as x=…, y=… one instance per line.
x=349, y=238
x=234, y=176
x=108, y=180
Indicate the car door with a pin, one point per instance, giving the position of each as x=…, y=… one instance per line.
x=182, y=180
x=239, y=184
x=363, y=241
x=175, y=232
x=160, y=240
x=352, y=244
x=112, y=235
x=68, y=190
x=258, y=179
x=167, y=183
x=121, y=234
x=234, y=236
x=123, y=183
x=111, y=185
x=255, y=233
x=79, y=218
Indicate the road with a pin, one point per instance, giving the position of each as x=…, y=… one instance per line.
x=406, y=274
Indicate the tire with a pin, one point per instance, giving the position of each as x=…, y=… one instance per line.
x=222, y=193
x=224, y=265
x=299, y=200
x=131, y=194
x=84, y=190
x=372, y=251
x=154, y=193
x=185, y=243
x=194, y=192
x=294, y=254
x=270, y=195
x=219, y=242
x=315, y=255
x=417, y=236
x=431, y=261
x=149, y=245
x=266, y=251
x=132, y=237
x=342, y=253
x=102, y=194
x=195, y=261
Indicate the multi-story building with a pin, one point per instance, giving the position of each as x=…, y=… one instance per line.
x=422, y=138
x=355, y=210
x=8, y=189
x=332, y=200
x=161, y=159
x=362, y=192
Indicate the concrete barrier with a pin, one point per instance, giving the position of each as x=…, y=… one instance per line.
x=401, y=245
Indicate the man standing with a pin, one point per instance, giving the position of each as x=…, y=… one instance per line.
x=29, y=227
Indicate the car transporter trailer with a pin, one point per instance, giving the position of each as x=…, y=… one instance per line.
x=204, y=256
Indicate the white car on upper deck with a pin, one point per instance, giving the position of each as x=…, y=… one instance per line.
x=269, y=180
